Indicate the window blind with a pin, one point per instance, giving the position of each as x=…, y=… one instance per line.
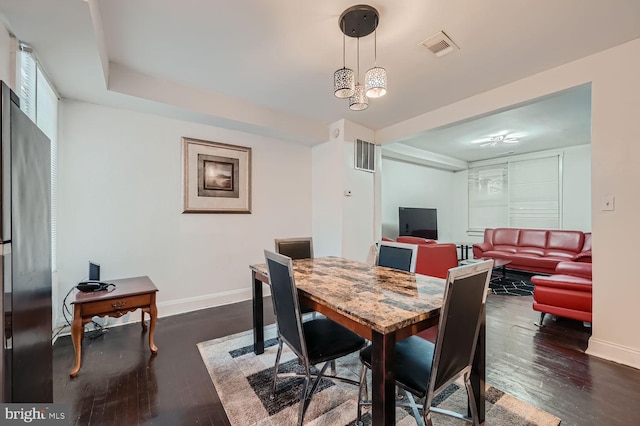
x=534, y=193
x=519, y=194
x=488, y=197
x=39, y=101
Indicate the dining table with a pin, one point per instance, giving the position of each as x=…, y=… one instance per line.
x=381, y=304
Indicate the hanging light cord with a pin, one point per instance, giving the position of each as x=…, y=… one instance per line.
x=375, y=45
x=358, y=66
x=344, y=36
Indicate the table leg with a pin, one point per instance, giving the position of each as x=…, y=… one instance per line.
x=77, y=330
x=383, y=387
x=478, y=369
x=153, y=314
x=258, y=316
x=144, y=324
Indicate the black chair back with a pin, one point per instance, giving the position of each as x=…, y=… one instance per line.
x=285, y=300
x=462, y=311
x=295, y=248
x=397, y=255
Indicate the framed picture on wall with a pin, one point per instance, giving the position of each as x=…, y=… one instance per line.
x=216, y=177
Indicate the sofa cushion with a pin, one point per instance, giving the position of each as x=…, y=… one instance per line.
x=560, y=254
x=571, y=241
x=533, y=238
x=505, y=249
x=587, y=242
x=531, y=250
x=532, y=261
x=584, y=257
x=505, y=237
x=498, y=254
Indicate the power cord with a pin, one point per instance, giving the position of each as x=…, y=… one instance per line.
x=98, y=329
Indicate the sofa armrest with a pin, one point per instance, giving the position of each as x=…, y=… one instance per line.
x=561, y=282
x=480, y=248
x=576, y=269
x=584, y=256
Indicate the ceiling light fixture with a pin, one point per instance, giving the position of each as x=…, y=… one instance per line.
x=359, y=21
x=495, y=140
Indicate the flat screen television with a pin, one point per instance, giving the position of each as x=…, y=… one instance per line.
x=418, y=222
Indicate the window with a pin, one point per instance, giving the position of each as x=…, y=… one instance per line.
x=488, y=197
x=39, y=101
x=524, y=193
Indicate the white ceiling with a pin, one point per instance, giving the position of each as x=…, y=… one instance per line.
x=267, y=66
x=556, y=121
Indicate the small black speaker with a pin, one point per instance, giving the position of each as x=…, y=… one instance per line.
x=94, y=271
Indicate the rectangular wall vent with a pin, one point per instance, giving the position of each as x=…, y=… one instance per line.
x=440, y=44
x=365, y=156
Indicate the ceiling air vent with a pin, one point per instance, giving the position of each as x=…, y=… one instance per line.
x=365, y=156
x=439, y=44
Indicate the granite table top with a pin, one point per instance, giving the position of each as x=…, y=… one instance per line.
x=383, y=299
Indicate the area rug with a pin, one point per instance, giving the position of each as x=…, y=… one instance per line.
x=513, y=284
x=243, y=382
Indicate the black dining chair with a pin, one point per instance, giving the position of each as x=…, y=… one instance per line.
x=297, y=248
x=425, y=369
x=313, y=342
x=397, y=255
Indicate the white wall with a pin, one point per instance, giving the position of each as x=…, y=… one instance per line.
x=342, y=225
x=120, y=205
x=614, y=150
x=412, y=185
x=576, y=188
x=327, y=190
x=358, y=208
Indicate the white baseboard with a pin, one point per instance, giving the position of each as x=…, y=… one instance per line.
x=614, y=352
x=180, y=306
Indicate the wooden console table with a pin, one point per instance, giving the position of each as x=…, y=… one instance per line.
x=128, y=295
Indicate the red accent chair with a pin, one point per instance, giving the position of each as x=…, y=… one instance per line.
x=566, y=293
x=435, y=260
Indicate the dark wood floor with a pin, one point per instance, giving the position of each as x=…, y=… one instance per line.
x=120, y=383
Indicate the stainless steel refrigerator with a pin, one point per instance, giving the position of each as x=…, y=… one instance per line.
x=25, y=247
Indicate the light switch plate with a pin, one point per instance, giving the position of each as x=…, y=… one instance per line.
x=608, y=203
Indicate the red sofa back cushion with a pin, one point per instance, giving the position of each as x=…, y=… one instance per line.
x=407, y=239
x=505, y=239
x=565, y=240
x=587, y=242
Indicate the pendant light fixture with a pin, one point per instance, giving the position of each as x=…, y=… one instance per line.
x=343, y=79
x=375, y=80
x=359, y=21
x=359, y=100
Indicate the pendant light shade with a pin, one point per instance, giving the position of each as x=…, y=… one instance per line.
x=357, y=22
x=344, y=83
x=359, y=100
x=375, y=81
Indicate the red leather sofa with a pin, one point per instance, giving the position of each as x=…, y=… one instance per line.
x=535, y=250
x=566, y=293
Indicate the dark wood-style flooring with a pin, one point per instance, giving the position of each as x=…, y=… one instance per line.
x=120, y=383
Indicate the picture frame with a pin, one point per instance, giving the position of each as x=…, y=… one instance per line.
x=216, y=177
